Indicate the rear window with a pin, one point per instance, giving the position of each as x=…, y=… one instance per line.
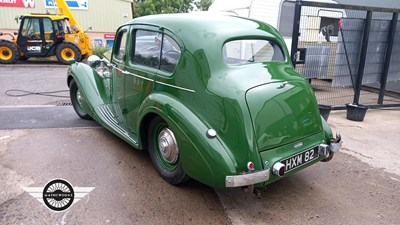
x=240, y=52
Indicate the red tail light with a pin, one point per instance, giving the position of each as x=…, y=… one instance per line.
x=250, y=166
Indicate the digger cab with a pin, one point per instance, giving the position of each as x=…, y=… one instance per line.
x=39, y=35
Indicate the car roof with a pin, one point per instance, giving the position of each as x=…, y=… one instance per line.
x=209, y=30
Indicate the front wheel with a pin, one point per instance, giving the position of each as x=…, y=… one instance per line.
x=67, y=51
x=164, y=152
x=8, y=52
x=77, y=100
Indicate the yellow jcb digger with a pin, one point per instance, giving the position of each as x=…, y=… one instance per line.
x=43, y=35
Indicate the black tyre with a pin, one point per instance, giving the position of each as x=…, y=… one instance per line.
x=77, y=100
x=330, y=156
x=67, y=51
x=164, y=152
x=8, y=52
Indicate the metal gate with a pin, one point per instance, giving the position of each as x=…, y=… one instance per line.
x=350, y=54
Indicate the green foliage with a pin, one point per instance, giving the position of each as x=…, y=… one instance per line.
x=203, y=5
x=149, y=7
x=99, y=51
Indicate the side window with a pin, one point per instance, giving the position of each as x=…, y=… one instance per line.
x=48, y=28
x=25, y=28
x=31, y=28
x=150, y=45
x=119, y=48
x=147, y=48
x=170, y=54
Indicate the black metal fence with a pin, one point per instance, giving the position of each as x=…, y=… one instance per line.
x=350, y=54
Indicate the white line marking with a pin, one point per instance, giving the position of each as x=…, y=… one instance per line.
x=26, y=106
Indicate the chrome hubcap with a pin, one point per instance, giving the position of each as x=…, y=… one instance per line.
x=79, y=97
x=168, y=146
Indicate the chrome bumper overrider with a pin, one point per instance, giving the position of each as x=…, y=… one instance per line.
x=329, y=150
x=247, y=179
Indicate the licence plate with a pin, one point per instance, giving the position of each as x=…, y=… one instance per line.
x=300, y=159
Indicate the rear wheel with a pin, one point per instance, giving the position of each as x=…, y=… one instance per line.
x=77, y=100
x=67, y=51
x=8, y=52
x=164, y=152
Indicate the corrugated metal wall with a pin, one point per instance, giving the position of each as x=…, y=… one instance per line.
x=102, y=15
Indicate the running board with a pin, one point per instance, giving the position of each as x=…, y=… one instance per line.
x=110, y=119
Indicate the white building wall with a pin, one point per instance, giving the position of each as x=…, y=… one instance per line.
x=104, y=16
x=266, y=11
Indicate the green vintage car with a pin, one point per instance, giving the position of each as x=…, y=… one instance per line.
x=211, y=97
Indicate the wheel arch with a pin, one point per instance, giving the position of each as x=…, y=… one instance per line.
x=144, y=127
x=70, y=42
x=69, y=78
x=90, y=84
x=11, y=42
x=204, y=159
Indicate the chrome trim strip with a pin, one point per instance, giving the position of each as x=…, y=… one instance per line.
x=177, y=87
x=247, y=179
x=135, y=75
x=158, y=82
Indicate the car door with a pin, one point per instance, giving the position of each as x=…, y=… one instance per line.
x=50, y=29
x=142, y=69
x=119, y=58
x=31, y=37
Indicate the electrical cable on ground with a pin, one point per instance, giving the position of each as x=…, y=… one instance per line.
x=22, y=93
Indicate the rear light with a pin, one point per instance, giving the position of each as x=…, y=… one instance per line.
x=278, y=169
x=250, y=166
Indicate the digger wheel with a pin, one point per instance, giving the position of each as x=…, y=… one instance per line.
x=8, y=52
x=68, y=51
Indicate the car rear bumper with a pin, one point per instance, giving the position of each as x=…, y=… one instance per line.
x=251, y=178
x=247, y=179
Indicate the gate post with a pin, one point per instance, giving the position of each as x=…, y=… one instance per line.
x=388, y=54
x=363, y=57
x=296, y=32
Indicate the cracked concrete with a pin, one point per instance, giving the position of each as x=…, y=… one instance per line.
x=127, y=188
x=361, y=185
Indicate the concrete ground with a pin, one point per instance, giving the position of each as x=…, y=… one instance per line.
x=127, y=188
x=40, y=141
x=361, y=185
